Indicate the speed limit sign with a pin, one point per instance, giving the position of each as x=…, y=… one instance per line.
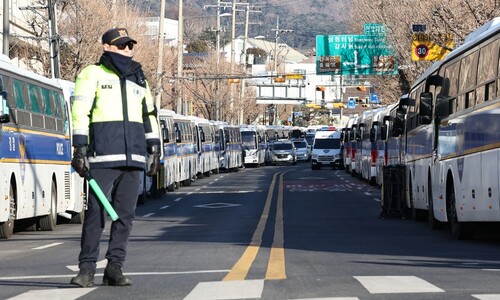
x=421, y=51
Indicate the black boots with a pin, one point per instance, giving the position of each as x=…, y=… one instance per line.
x=113, y=276
x=85, y=278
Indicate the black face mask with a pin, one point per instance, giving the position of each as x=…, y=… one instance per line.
x=121, y=62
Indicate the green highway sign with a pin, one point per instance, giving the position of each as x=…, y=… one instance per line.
x=366, y=54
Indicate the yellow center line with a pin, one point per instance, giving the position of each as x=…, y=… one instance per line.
x=240, y=270
x=276, y=265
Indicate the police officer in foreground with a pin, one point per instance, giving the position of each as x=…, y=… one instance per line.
x=115, y=137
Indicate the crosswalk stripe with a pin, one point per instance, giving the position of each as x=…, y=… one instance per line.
x=54, y=294
x=396, y=284
x=234, y=289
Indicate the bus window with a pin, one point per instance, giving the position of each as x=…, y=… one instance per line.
x=47, y=102
x=18, y=94
x=33, y=92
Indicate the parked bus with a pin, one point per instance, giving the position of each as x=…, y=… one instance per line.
x=452, y=144
x=35, y=151
x=169, y=168
x=186, y=153
x=231, y=147
x=204, y=146
x=254, y=145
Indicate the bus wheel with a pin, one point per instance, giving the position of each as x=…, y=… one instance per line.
x=77, y=218
x=171, y=187
x=187, y=182
x=459, y=230
x=7, y=227
x=432, y=221
x=48, y=222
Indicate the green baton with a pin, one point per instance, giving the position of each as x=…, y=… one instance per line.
x=97, y=190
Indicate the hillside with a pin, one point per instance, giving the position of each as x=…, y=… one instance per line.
x=307, y=18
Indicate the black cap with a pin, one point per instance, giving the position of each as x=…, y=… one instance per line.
x=117, y=36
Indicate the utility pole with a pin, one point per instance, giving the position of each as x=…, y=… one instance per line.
x=53, y=38
x=6, y=27
x=217, y=51
x=244, y=60
x=159, y=70
x=278, y=32
x=180, y=51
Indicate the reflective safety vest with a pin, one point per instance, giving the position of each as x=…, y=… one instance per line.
x=115, y=117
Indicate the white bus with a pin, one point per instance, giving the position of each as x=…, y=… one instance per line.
x=452, y=144
x=231, y=154
x=35, y=151
x=254, y=145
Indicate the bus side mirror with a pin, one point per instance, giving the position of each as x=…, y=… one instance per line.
x=164, y=133
x=178, y=136
x=425, y=116
x=4, y=112
x=383, y=132
x=373, y=134
x=399, y=122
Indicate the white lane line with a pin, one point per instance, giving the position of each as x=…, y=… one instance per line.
x=99, y=265
x=397, y=284
x=125, y=273
x=166, y=206
x=219, y=290
x=66, y=294
x=47, y=246
x=487, y=296
x=368, y=194
x=377, y=199
x=148, y=215
x=178, y=199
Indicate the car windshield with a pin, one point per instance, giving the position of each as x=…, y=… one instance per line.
x=282, y=146
x=300, y=144
x=310, y=139
x=327, y=144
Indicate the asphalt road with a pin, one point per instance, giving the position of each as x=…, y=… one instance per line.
x=283, y=232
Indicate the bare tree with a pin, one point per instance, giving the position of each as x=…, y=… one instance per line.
x=455, y=16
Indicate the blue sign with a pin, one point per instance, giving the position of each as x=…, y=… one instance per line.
x=351, y=104
x=375, y=98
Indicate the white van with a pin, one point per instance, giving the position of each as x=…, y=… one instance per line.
x=326, y=150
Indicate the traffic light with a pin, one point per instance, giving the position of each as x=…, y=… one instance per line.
x=279, y=79
x=234, y=80
x=361, y=88
x=320, y=88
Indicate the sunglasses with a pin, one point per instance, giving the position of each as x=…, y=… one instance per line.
x=123, y=46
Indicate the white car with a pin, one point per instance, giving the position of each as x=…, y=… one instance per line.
x=302, y=150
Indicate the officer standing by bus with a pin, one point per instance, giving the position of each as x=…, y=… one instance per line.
x=115, y=137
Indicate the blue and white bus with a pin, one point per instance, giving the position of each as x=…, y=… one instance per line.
x=453, y=136
x=169, y=169
x=231, y=150
x=186, y=152
x=35, y=151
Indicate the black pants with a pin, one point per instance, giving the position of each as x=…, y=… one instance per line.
x=120, y=187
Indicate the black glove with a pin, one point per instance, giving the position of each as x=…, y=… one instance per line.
x=153, y=160
x=80, y=161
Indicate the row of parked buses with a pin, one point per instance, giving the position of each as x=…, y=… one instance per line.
x=446, y=134
x=194, y=148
